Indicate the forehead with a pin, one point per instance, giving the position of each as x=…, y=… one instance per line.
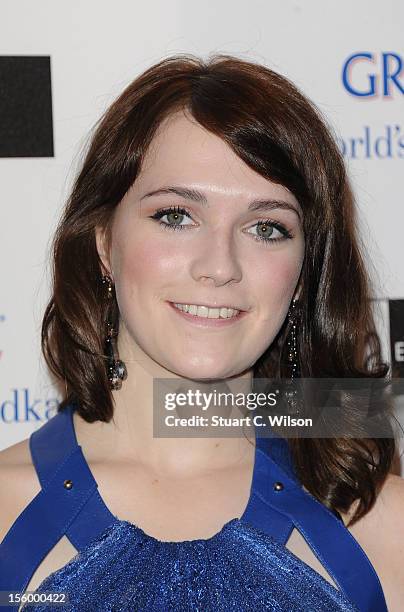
x=184, y=152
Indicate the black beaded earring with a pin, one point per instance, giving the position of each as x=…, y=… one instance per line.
x=116, y=369
x=292, y=397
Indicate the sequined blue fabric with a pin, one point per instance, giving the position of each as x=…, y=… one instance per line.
x=238, y=569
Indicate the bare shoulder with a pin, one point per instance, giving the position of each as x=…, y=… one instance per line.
x=387, y=511
x=18, y=483
x=381, y=535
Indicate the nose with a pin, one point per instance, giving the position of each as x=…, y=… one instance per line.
x=217, y=260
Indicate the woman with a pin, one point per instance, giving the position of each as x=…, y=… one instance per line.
x=209, y=238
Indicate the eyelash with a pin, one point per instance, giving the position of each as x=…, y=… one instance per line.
x=182, y=211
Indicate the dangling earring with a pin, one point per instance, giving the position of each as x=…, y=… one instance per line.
x=116, y=369
x=292, y=396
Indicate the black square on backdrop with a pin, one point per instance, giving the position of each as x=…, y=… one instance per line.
x=26, y=126
x=396, y=316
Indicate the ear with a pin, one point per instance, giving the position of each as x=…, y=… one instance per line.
x=297, y=293
x=102, y=240
x=298, y=288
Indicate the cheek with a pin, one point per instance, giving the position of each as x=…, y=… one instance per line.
x=141, y=263
x=275, y=279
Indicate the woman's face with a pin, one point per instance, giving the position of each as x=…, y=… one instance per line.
x=201, y=228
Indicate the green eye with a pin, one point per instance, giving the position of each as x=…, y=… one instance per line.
x=175, y=215
x=265, y=229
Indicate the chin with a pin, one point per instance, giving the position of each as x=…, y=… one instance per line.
x=205, y=371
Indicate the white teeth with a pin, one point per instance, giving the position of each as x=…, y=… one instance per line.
x=202, y=311
x=208, y=313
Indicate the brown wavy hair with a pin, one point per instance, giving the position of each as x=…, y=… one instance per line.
x=282, y=135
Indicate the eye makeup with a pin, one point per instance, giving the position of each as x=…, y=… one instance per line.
x=179, y=211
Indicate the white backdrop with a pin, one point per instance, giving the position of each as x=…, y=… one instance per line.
x=98, y=47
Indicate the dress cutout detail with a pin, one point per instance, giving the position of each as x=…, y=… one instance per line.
x=244, y=566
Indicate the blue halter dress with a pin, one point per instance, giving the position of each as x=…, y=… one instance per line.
x=120, y=568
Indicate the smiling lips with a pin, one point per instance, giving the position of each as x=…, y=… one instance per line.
x=206, y=312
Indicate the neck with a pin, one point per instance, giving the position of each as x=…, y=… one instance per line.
x=135, y=433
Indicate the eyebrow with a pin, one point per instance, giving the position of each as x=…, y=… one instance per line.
x=199, y=197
